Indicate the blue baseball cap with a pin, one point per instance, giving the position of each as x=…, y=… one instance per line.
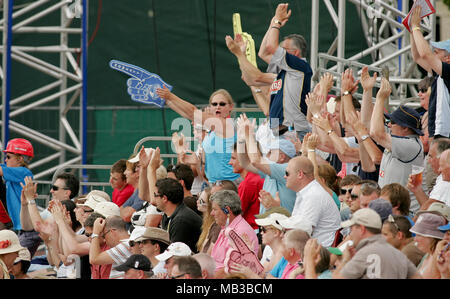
x=406, y=117
x=283, y=145
x=444, y=228
x=444, y=45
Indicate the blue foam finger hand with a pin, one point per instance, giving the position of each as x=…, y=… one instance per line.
x=143, y=84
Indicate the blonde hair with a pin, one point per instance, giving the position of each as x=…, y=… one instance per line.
x=208, y=220
x=223, y=92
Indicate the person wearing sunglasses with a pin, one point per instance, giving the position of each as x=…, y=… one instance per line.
x=218, y=143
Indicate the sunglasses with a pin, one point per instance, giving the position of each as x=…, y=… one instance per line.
x=157, y=195
x=354, y=196
x=345, y=191
x=423, y=90
x=392, y=220
x=56, y=188
x=178, y=276
x=221, y=104
x=132, y=243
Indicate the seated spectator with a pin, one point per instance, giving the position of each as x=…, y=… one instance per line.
x=186, y=267
x=167, y=257
x=294, y=242
x=443, y=259
x=136, y=233
x=113, y=230
x=184, y=174
x=427, y=237
x=107, y=209
x=97, y=271
x=316, y=261
x=118, y=181
x=137, y=266
x=399, y=198
x=272, y=236
x=388, y=263
x=210, y=229
x=369, y=191
x=223, y=185
x=9, y=251
x=226, y=209
x=382, y=207
x=346, y=186
x=21, y=265
x=396, y=231
x=207, y=264
x=152, y=242
x=182, y=223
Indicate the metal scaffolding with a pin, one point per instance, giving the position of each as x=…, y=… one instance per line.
x=68, y=87
x=387, y=42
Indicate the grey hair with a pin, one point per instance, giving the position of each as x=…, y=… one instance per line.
x=299, y=42
x=206, y=263
x=442, y=144
x=227, y=198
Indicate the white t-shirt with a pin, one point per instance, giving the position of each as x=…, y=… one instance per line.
x=441, y=191
x=318, y=207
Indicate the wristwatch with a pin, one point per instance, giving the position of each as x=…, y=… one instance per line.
x=94, y=236
x=31, y=202
x=277, y=22
x=329, y=132
x=364, y=137
x=346, y=93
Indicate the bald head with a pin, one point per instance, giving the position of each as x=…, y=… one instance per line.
x=444, y=165
x=303, y=164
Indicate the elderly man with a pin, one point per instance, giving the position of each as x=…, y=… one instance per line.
x=226, y=209
x=313, y=204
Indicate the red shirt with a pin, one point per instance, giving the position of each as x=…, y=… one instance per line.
x=4, y=217
x=101, y=271
x=119, y=197
x=248, y=191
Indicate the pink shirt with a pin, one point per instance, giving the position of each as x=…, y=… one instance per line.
x=244, y=230
x=288, y=269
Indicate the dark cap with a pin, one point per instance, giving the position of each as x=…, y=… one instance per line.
x=382, y=207
x=136, y=261
x=406, y=117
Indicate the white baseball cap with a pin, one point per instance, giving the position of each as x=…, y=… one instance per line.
x=273, y=219
x=174, y=249
x=137, y=232
x=295, y=222
x=107, y=209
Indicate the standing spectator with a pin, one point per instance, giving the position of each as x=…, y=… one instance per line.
x=182, y=223
x=288, y=60
x=371, y=256
x=118, y=181
x=218, y=143
x=9, y=251
x=427, y=237
x=19, y=153
x=313, y=202
x=137, y=266
x=226, y=209
x=113, y=230
x=248, y=190
x=424, y=87
x=402, y=146
x=438, y=62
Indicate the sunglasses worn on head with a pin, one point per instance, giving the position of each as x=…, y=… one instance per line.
x=221, y=104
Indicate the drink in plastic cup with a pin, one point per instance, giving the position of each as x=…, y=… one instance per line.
x=416, y=175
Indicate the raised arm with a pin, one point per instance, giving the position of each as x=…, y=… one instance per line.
x=367, y=83
x=348, y=87
x=251, y=75
x=151, y=174
x=144, y=160
x=270, y=41
x=426, y=57
x=377, y=130
x=242, y=136
x=180, y=106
